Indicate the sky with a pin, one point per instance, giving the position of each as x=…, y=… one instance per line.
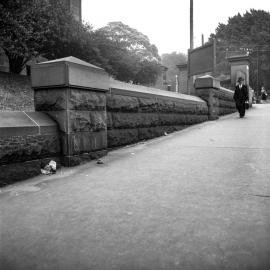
x=166, y=22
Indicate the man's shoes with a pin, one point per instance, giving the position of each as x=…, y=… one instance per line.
x=241, y=116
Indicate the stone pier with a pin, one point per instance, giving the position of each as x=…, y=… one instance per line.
x=72, y=92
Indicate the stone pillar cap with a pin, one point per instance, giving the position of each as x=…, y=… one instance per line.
x=69, y=72
x=71, y=59
x=207, y=81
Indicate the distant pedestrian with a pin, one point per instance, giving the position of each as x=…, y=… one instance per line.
x=240, y=97
x=264, y=93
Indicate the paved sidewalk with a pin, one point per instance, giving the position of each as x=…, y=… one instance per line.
x=195, y=199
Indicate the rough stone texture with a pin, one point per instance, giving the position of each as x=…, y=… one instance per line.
x=118, y=137
x=150, y=132
x=195, y=119
x=116, y=103
x=81, y=116
x=51, y=99
x=109, y=120
x=24, y=148
x=131, y=119
x=85, y=100
x=220, y=101
x=83, y=142
x=60, y=117
x=166, y=106
x=87, y=121
x=148, y=104
x=208, y=95
x=76, y=121
x=202, y=109
x=172, y=119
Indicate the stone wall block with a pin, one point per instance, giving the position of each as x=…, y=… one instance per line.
x=109, y=120
x=83, y=142
x=85, y=100
x=180, y=119
x=148, y=104
x=171, y=119
x=166, y=106
x=164, y=119
x=87, y=121
x=23, y=148
x=88, y=141
x=211, y=99
x=195, y=119
x=126, y=120
x=134, y=120
x=50, y=99
x=118, y=103
x=201, y=109
x=118, y=137
x=183, y=107
x=150, y=132
x=227, y=104
x=191, y=108
x=179, y=107
x=75, y=160
x=61, y=118
x=149, y=119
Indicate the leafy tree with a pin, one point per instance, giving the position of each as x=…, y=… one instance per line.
x=19, y=35
x=129, y=53
x=171, y=60
x=249, y=32
x=148, y=73
x=31, y=28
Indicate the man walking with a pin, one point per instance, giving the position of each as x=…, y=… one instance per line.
x=240, y=97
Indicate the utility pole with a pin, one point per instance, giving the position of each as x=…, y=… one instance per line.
x=191, y=25
x=202, y=39
x=191, y=47
x=258, y=90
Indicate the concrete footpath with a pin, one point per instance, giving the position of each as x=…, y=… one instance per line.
x=195, y=199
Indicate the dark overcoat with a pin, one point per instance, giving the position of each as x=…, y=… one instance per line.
x=240, y=95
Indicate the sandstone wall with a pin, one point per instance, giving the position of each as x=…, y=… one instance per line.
x=27, y=143
x=219, y=100
x=81, y=118
x=136, y=113
x=81, y=112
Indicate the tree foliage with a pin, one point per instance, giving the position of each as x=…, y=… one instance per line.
x=128, y=53
x=21, y=35
x=249, y=32
x=31, y=28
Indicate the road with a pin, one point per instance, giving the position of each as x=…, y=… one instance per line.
x=195, y=199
